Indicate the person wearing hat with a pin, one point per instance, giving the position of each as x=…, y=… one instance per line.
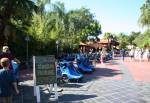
x=5, y=49
x=7, y=54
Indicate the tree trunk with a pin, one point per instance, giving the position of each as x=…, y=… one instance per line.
x=2, y=37
x=4, y=18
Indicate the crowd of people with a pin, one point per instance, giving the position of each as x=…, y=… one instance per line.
x=139, y=54
x=136, y=54
x=100, y=55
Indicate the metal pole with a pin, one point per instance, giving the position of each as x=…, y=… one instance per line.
x=27, y=63
x=27, y=54
x=57, y=51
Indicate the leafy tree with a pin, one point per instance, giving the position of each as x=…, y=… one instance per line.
x=83, y=24
x=41, y=6
x=143, y=40
x=133, y=36
x=112, y=38
x=107, y=35
x=144, y=19
x=123, y=40
x=14, y=14
x=68, y=27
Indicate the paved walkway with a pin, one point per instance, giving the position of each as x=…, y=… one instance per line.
x=113, y=82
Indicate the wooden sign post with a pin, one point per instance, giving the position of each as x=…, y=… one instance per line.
x=44, y=73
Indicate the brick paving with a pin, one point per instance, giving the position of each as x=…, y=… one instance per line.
x=110, y=91
x=113, y=82
x=139, y=70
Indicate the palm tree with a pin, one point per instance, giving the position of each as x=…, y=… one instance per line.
x=14, y=13
x=144, y=19
x=41, y=6
x=59, y=12
x=123, y=40
x=109, y=37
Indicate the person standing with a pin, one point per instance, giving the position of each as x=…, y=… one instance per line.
x=7, y=54
x=148, y=55
x=103, y=55
x=131, y=54
x=7, y=81
x=122, y=53
x=141, y=52
x=13, y=61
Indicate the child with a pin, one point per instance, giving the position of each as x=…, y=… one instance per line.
x=7, y=80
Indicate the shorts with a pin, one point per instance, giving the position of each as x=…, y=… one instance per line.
x=131, y=56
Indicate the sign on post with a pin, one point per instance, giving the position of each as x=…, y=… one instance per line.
x=45, y=71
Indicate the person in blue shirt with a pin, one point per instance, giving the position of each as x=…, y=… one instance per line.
x=122, y=53
x=7, y=82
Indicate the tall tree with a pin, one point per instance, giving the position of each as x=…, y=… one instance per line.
x=14, y=13
x=41, y=5
x=133, y=36
x=68, y=27
x=83, y=23
x=123, y=40
x=144, y=19
x=143, y=40
x=107, y=35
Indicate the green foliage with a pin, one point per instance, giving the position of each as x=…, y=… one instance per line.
x=143, y=40
x=144, y=19
x=133, y=36
x=107, y=35
x=21, y=18
x=123, y=40
x=69, y=28
x=15, y=15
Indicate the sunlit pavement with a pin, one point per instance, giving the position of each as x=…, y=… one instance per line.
x=139, y=70
x=112, y=82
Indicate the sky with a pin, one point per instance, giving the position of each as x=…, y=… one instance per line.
x=115, y=16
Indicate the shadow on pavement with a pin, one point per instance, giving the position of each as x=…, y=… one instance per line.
x=74, y=97
x=72, y=85
x=25, y=96
x=111, y=62
x=107, y=72
x=102, y=72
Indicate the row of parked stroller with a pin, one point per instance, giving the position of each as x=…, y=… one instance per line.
x=74, y=67
x=70, y=67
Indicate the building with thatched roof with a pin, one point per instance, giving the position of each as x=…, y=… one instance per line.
x=98, y=44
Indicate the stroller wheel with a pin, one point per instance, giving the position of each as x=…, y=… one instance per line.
x=65, y=78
